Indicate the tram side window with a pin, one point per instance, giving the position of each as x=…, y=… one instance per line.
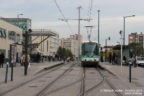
x=83, y=49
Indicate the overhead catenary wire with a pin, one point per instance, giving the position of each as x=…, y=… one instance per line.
x=57, y=5
x=89, y=27
x=90, y=9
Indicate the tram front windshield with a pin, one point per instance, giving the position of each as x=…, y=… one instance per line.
x=89, y=49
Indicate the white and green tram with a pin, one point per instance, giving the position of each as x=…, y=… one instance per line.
x=90, y=53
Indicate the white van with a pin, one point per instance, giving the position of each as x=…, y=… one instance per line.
x=140, y=60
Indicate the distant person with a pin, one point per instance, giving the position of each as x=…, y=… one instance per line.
x=124, y=59
x=113, y=58
x=110, y=57
x=2, y=59
x=101, y=58
x=38, y=57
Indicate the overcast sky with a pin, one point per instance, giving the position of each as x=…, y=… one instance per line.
x=45, y=14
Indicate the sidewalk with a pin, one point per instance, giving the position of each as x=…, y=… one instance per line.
x=123, y=74
x=19, y=77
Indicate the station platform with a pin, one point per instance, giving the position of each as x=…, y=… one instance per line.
x=18, y=74
x=122, y=73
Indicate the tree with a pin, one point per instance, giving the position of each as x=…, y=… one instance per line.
x=64, y=52
x=137, y=48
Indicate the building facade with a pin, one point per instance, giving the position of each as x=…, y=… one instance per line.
x=23, y=23
x=49, y=46
x=136, y=38
x=71, y=44
x=9, y=34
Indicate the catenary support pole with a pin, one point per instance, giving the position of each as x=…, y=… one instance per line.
x=79, y=34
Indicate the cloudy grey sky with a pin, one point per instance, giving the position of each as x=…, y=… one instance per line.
x=45, y=14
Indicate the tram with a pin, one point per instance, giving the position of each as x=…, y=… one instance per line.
x=90, y=53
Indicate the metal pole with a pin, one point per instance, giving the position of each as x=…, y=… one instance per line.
x=11, y=63
x=26, y=53
x=135, y=50
x=99, y=29
x=130, y=73
x=106, y=51
x=98, y=26
x=124, y=31
x=6, y=75
x=121, y=51
x=79, y=34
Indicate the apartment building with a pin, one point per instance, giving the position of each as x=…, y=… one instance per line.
x=137, y=38
x=71, y=43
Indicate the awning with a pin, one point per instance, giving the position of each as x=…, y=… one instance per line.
x=43, y=33
x=36, y=50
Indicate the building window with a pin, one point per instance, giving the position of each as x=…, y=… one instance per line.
x=11, y=35
x=2, y=33
x=18, y=37
x=131, y=37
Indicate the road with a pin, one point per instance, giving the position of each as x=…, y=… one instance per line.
x=71, y=79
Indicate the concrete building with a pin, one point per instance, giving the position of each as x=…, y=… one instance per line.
x=71, y=44
x=49, y=46
x=9, y=34
x=23, y=23
x=137, y=38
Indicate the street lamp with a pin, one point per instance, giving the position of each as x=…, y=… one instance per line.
x=98, y=26
x=106, y=47
x=124, y=17
x=121, y=47
x=19, y=15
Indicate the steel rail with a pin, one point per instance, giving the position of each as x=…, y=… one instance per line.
x=44, y=92
x=82, y=88
x=33, y=79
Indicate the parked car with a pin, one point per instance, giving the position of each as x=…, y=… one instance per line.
x=140, y=60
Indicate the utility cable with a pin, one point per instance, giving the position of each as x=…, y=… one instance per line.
x=63, y=15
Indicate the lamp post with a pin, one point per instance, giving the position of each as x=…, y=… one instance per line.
x=19, y=15
x=106, y=48
x=124, y=17
x=98, y=26
x=26, y=45
x=121, y=48
x=18, y=19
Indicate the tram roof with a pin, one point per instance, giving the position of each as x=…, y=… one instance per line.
x=89, y=42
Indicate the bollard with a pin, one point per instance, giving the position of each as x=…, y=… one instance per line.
x=130, y=72
x=11, y=71
x=6, y=75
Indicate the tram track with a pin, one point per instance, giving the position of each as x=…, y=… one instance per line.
x=82, y=88
x=35, y=78
x=110, y=84
x=44, y=91
x=84, y=92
